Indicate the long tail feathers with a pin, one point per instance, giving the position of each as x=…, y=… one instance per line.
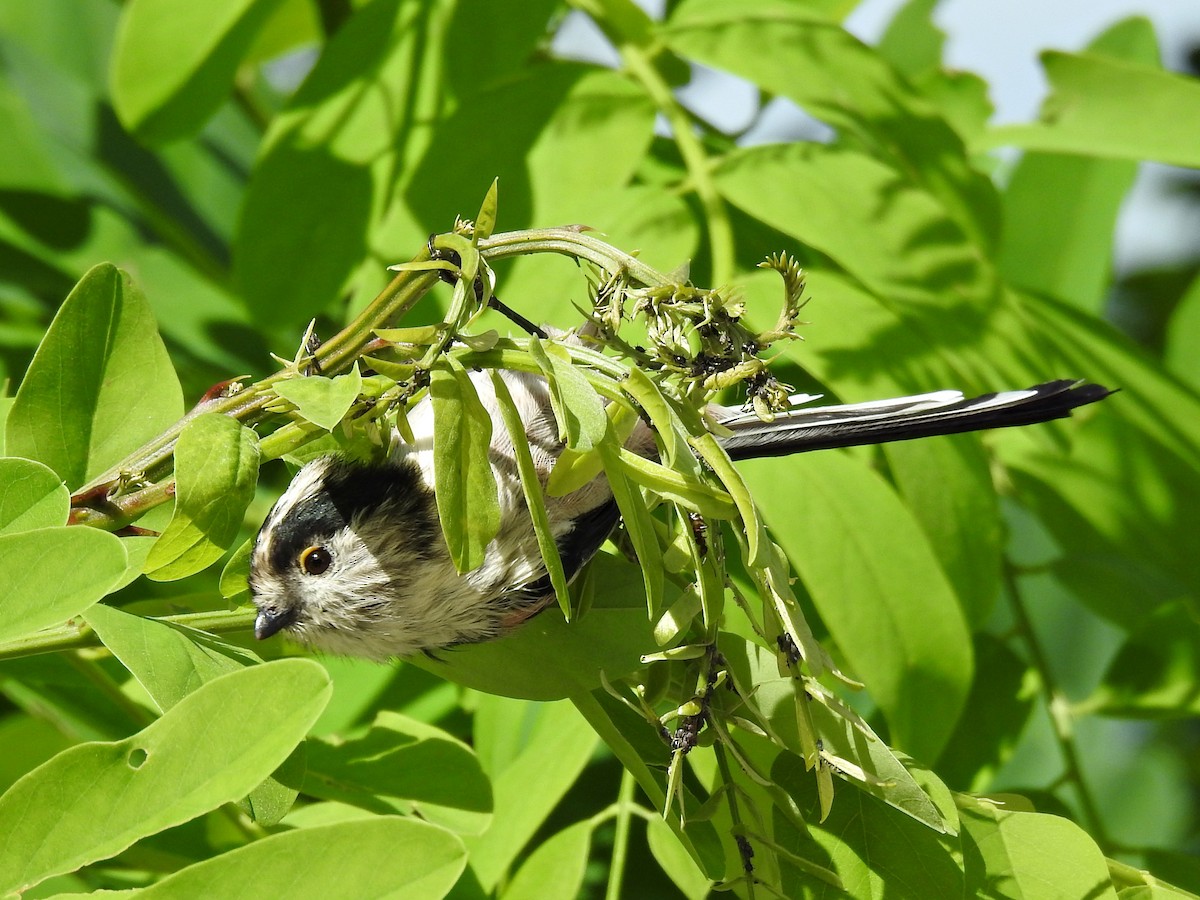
x=901, y=419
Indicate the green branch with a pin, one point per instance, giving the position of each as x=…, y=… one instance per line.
x=1059, y=708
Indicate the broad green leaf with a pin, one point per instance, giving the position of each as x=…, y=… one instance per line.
x=381, y=857
x=401, y=757
x=28, y=742
x=793, y=50
x=871, y=847
x=674, y=859
x=96, y=799
x=577, y=406
x=216, y=468
x=1154, y=673
x=940, y=309
x=1059, y=213
x=100, y=384
x=999, y=706
x=947, y=486
x=1124, y=551
x=572, y=134
x=912, y=42
x=532, y=487
x=52, y=574
x=169, y=661
x=466, y=486
x=31, y=496
x=346, y=135
x=554, y=871
x=25, y=164
x=1060, y=209
x=877, y=584
x=903, y=247
x=1025, y=854
x=322, y=401
x=661, y=225
x=235, y=577
x=1184, y=336
x=1156, y=110
x=528, y=790
x=173, y=66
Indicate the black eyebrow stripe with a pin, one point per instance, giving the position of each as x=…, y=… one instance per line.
x=349, y=492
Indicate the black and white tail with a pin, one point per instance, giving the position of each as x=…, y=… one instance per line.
x=904, y=418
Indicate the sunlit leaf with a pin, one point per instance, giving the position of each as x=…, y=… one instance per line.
x=216, y=468
x=94, y=800
x=466, y=485
x=31, y=496
x=100, y=384
x=51, y=574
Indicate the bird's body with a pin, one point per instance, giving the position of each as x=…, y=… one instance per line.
x=351, y=559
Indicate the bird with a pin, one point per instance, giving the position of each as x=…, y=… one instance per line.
x=351, y=559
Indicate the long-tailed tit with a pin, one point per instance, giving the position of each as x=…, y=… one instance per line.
x=351, y=559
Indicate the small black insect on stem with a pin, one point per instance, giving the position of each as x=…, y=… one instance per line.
x=746, y=852
x=787, y=646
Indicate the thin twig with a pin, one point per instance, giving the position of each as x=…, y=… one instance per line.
x=1059, y=708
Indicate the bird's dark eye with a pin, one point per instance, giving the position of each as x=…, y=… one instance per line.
x=315, y=560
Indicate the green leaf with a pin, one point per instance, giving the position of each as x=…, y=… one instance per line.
x=906, y=248
x=31, y=496
x=554, y=871
x=216, y=468
x=322, y=401
x=174, y=66
x=912, y=42
x=25, y=163
x=485, y=221
x=385, y=856
x=994, y=719
x=1156, y=111
x=573, y=134
x=169, y=661
x=793, y=50
x=465, y=484
x=1025, y=854
x=531, y=486
x=674, y=859
x=100, y=384
x=530, y=787
x=577, y=406
x=878, y=586
x=401, y=757
x=94, y=800
x=1155, y=672
x=1060, y=209
x=342, y=135
x=870, y=846
x=1184, y=335
x=947, y=485
x=52, y=574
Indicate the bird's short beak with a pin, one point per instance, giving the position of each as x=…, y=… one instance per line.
x=267, y=623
